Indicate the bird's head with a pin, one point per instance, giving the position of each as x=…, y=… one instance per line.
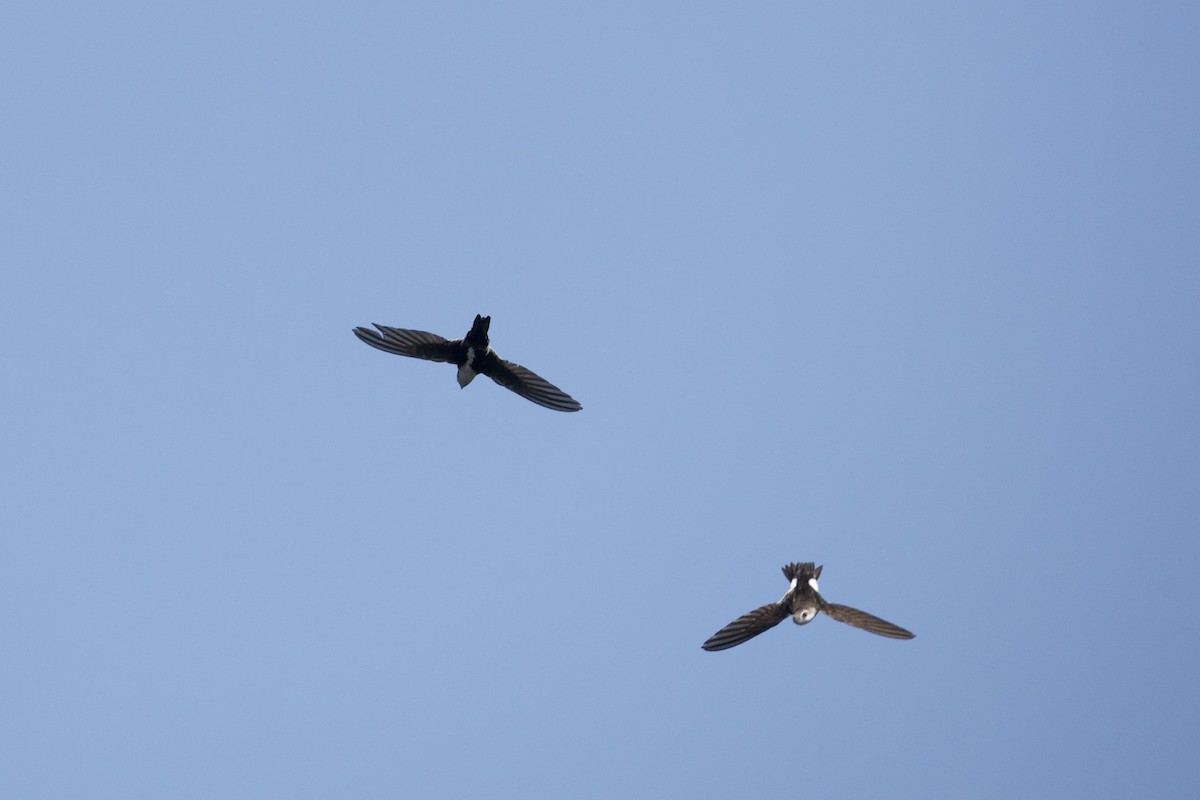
x=802, y=615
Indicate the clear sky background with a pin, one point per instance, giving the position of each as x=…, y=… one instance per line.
x=909, y=291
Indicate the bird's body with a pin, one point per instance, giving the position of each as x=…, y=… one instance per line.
x=476, y=350
x=802, y=602
x=473, y=355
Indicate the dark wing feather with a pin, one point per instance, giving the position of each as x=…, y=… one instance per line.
x=530, y=385
x=868, y=622
x=414, y=344
x=747, y=626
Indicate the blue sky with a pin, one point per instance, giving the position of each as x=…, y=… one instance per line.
x=911, y=292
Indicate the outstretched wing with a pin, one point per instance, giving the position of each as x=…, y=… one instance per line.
x=868, y=622
x=747, y=626
x=530, y=385
x=414, y=344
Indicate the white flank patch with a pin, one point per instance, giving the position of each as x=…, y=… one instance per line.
x=813, y=583
x=791, y=589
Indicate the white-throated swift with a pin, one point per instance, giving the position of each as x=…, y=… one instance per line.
x=474, y=356
x=802, y=603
